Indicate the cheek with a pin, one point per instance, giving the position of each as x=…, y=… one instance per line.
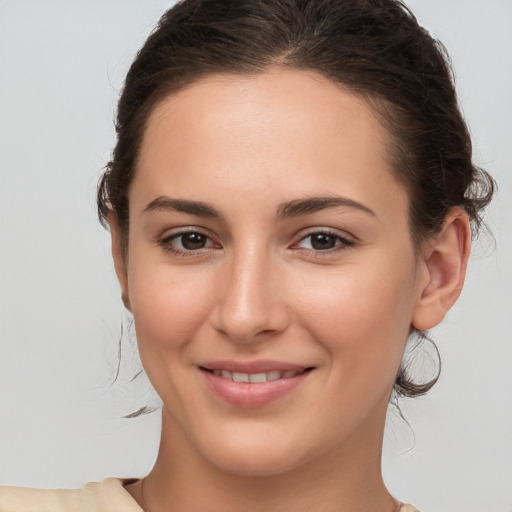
x=362, y=316
x=168, y=306
x=169, y=310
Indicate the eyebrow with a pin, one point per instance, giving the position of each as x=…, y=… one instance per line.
x=198, y=208
x=315, y=204
x=292, y=208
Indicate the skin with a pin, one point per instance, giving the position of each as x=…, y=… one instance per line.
x=260, y=289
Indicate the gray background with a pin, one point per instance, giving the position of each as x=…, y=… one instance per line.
x=61, y=68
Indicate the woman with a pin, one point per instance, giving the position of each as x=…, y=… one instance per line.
x=290, y=200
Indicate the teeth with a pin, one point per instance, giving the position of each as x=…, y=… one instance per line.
x=255, y=377
x=240, y=377
x=258, y=377
x=274, y=375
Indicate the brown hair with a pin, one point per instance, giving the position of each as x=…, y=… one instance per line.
x=374, y=47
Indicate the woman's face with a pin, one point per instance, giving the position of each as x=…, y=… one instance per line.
x=270, y=243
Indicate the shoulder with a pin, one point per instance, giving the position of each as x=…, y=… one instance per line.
x=106, y=496
x=408, y=508
x=22, y=499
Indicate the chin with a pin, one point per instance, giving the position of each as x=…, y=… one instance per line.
x=258, y=465
x=256, y=456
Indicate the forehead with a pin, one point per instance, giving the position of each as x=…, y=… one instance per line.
x=286, y=130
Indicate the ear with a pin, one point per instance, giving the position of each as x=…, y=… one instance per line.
x=119, y=258
x=444, y=262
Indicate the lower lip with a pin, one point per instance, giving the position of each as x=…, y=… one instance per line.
x=252, y=394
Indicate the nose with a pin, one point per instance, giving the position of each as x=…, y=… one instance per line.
x=252, y=303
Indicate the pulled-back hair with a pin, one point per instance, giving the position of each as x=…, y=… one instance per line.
x=375, y=48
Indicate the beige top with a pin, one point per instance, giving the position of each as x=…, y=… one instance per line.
x=106, y=496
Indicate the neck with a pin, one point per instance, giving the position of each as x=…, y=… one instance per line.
x=347, y=479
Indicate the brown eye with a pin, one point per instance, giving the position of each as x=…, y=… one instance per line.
x=323, y=241
x=187, y=242
x=193, y=241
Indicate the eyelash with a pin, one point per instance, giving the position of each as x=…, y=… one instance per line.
x=166, y=243
x=341, y=243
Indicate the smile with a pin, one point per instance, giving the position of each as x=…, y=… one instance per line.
x=257, y=377
x=257, y=386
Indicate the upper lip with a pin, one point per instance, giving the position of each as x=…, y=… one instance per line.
x=261, y=366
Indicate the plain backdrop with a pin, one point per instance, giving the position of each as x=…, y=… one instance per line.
x=61, y=410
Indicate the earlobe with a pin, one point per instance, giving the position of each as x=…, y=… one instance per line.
x=445, y=259
x=119, y=258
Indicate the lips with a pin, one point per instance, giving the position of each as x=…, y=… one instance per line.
x=253, y=384
x=257, y=377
